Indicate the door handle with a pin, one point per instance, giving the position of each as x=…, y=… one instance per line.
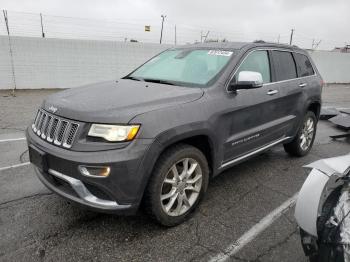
x=302, y=85
x=272, y=92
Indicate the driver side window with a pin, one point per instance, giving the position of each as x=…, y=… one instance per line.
x=257, y=61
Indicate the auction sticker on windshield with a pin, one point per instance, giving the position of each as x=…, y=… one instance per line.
x=220, y=52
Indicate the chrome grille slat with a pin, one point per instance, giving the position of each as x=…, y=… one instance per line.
x=60, y=132
x=37, y=121
x=46, y=126
x=55, y=129
x=51, y=134
x=43, y=125
x=41, y=122
x=70, y=135
x=56, y=132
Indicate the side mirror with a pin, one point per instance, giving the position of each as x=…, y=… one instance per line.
x=246, y=80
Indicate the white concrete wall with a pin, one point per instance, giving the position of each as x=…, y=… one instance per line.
x=334, y=67
x=64, y=63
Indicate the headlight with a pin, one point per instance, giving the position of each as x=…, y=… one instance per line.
x=114, y=133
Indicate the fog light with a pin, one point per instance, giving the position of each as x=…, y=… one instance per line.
x=95, y=171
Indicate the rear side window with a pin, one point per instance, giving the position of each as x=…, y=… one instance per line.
x=257, y=61
x=304, y=65
x=284, y=65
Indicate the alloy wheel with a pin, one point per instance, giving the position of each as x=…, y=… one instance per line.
x=307, y=134
x=181, y=187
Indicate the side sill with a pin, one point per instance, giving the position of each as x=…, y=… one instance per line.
x=252, y=153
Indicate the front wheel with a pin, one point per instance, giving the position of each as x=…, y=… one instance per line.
x=179, y=180
x=303, y=141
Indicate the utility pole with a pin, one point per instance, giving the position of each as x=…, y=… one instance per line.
x=278, y=39
x=175, y=35
x=11, y=52
x=42, y=26
x=161, y=32
x=291, y=36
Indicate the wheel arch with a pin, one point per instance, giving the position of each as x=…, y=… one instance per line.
x=200, y=138
x=315, y=107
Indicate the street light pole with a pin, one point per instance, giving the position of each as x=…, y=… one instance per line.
x=161, y=32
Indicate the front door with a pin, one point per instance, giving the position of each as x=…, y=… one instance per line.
x=252, y=121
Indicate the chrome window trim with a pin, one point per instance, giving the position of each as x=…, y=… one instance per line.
x=270, y=83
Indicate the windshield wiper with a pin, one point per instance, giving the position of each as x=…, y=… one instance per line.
x=135, y=78
x=160, y=81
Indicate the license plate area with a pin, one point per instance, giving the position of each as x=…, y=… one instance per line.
x=38, y=158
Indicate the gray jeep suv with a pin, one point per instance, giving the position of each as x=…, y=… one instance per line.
x=156, y=136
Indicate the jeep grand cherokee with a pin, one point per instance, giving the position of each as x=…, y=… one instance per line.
x=156, y=136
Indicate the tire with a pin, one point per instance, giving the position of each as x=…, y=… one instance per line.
x=165, y=184
x=296, y=147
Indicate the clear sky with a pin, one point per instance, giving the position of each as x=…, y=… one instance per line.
x=325, y=20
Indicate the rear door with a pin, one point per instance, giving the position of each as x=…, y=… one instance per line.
x=286, y=78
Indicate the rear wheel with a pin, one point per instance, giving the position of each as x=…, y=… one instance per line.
x=179, y=181
x=303, y=141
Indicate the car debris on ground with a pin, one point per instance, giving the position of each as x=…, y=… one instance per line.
x=340, y=118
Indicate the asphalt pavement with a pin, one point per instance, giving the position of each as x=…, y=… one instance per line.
x=37, y=225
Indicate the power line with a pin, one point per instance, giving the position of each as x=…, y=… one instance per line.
x=33, y=25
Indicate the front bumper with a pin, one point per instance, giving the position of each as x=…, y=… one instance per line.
x=120, y=192
x=80, y=193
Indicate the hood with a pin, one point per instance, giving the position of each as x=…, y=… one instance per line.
x=117, y=101
x=335, y=165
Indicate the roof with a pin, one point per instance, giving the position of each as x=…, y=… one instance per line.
x=239, y=45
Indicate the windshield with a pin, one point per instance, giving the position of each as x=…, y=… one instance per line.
x=183, y=67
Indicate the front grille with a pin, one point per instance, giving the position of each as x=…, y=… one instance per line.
x=53, y=129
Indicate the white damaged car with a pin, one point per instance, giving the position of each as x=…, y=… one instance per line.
x=323, y=210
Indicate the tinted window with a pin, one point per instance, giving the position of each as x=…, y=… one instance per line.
x=284, y=65
x=304, y=65
x=258, y=61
